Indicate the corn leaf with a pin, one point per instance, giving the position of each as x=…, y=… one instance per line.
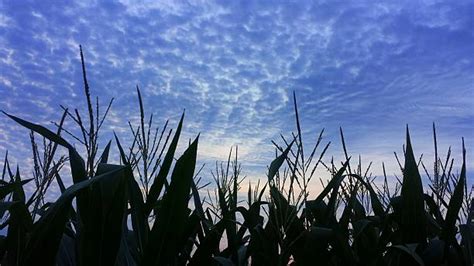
x=412, y=220
x=78, y=170
x=101, y=235
x=449, y=229
x=47, y=232
x=10, y=187
x=170, y=220
x=276, y=164
x=160, y=179
x=139, y=221
x=19, y=225
x=105, y=154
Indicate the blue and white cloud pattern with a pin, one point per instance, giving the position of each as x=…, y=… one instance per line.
x=369, y=67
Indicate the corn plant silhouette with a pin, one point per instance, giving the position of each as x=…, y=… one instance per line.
x=106, y=217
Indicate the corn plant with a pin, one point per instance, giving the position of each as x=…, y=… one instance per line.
x=150, y=209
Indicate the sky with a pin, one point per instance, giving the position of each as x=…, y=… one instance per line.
x=370, y=67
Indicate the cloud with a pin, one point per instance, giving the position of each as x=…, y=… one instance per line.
x=370, y=68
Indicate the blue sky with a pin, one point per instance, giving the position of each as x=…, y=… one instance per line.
x=369, y=66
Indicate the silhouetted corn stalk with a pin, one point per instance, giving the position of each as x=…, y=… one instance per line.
x=106, y=217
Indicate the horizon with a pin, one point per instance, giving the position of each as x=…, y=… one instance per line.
x=370, y=69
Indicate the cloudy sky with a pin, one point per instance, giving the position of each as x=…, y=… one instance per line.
x=370, y=67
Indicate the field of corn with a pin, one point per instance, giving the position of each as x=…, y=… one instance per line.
x=152, y=208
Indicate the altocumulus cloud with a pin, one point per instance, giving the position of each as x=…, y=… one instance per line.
x=368, y=67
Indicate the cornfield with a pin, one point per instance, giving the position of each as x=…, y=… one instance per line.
x=152, y=209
